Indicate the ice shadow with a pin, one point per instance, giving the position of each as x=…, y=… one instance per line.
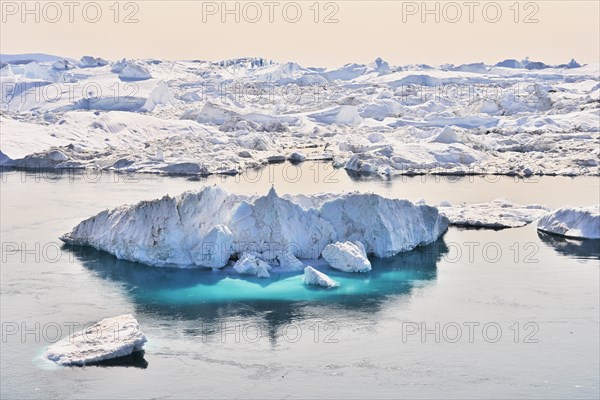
x=134, y=360
x=576, y=248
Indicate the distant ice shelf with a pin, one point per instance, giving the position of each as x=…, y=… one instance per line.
x=199, y=117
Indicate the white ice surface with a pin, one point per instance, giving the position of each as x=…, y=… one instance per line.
x=249, y=264
x=574, y=222
x=132, y=71
x=317, y=278
x=229, y=116
x=110, y=338
x=188, y=229
x=347, y=256
x=499, y=213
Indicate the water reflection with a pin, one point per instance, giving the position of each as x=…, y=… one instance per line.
x=213, y=297
x=581, y=249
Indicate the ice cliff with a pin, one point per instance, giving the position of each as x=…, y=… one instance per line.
x=211, y=227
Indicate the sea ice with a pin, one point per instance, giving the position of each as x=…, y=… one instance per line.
x=514, y=118
x=110, y=338
x=496, y=214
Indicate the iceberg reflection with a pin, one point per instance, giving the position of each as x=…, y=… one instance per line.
x=575, y=248
x=212, y=297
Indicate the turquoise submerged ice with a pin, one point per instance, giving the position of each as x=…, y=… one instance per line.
x=210, y=227
x=160, y=288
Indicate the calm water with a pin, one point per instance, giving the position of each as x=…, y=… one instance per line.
x=478, y=314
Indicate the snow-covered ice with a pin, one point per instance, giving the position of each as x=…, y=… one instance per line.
x=512, y=118
x=134, y=72
x=207, y=227
x=573, y=222
x=496, y=214
x=347, y=256
x=317, y=278
x=110, y=338
x=249, y=264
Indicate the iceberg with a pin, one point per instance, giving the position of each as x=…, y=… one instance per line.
x=63, y=65
x=110, y=338
x=347, y=256
x=316, y=278
x=208, y=227
x=573, y=222
x=159, y=95
x=91, y=62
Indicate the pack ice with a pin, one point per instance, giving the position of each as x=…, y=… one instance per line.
x=211, y=227
x=110, y=338
x=573, y=222
x=200, y=117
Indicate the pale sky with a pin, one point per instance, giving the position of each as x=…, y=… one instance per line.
x=393, y=30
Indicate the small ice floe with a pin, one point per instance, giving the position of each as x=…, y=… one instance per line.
x=497, y=214
x=316, y=278
x=347, y=256
x=297, y=157
x=276, y=158
x=573, y=222
x=249, y=264
x=108, y=339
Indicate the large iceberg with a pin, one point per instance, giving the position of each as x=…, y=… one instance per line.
x=110, y=338
x=208, y=227
x=573, y=222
